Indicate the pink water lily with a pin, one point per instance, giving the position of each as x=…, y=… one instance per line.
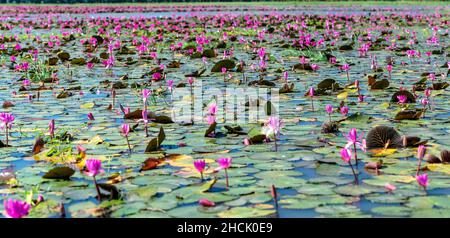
x=329, y=110
x=6, y=121
x=94, y=167
x=420, y=154
x=16, y=208
x=206, y=203
x=355, y=141
x=389, y=187
x=402, y=99
x=90, y=116
x=125, y=130
x=224, y=163
x=200, y=166
x=51, y=128
x=422, y=180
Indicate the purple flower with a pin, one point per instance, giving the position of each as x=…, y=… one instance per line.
x=94, y=167
x=402, y=99
x=329, y=109
x=51, y=127
x=90, y=116
x=6, y=120
x=344, y=110
x=145, y=94
x=213, y=108
x=200, y=165
x=422, y=180
x=125, y=129
x=16, y=208
x=346, y=155
x=421, y=151
x=206, y=203
x=224, y=163
x=311, y=92
x=352, y=139
x=345, y=67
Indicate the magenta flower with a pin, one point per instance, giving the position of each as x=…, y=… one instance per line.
x=206, y=203
x=345, y=67
x=210, y=119
x=51, y=128
x=190, y=81
x=402, y=99
x=145, y=94
x=224, y=163
x=170, y=84
x=200, y=166
x=273, y=126
x=213, y=108
x=156, y=76
x=315, y=67
x=427, y=92
x=353, y=139
x=344, y=110
x=94, y=167
x=90, y=65
x=422, y=180
x=389, y=187
x=389, y=68
x=346, y=155
x=6, y=120
x=125, y=130
x=420, y=154
x=421, y=151
x=16, y=208
x=90, y=116
x=329, y=109
x=311, y=95
x=286, y=75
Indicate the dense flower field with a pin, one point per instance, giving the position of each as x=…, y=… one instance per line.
x=224, y=111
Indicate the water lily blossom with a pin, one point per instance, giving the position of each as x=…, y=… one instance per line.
x=420, y=154
x=206, y=203
x=6, y=120
x=422, y=180
x=200, y=166
x=224, y=163
x=389, y=187
x=16, y=208
x=94, y=167
x=125, y=130
x=329, y=110
x=355, y=141
x=51, y=128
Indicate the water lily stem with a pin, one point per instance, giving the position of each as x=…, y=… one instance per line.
x=6, y=135
x=226, y=177
x=354, y=174
x=356, y=156
x=128, y=143
x=98, y=190
x=418, y=167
